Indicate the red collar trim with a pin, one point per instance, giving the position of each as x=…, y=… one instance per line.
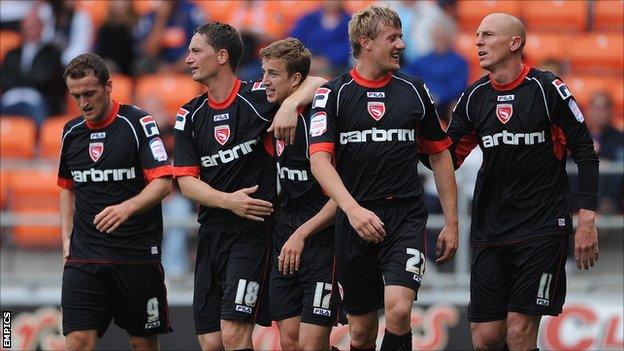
x=223, y=104
x=370, y=83
x=300, y=109
x=514, y=83
x=108, y=120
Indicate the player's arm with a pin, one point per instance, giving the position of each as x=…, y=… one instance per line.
x=290, y=255
x=113, y=216
x=568, y=119
x=365, y=222
x=240, y=202
x=285, y=122
x=67, y=203
x=444, y=175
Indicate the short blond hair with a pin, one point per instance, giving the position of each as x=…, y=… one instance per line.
x=365, y=24
x=296, y=56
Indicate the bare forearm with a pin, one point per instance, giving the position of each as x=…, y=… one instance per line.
x=202, y=193
x=305, y=93
x=323, y=219
x=67, y=217
x=326, y=175
x=444, y=176
x=150, y=196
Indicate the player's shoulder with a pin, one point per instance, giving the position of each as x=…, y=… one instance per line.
x=73, y=123
x=550, y=83
x=131, y=112
x=407, y=78
x=194, y=104
x=338, y=81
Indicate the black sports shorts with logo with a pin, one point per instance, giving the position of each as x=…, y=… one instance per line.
x=364, y=268
x=134, y=295
x=230, y=274
x=311, y=292
x=527, y=277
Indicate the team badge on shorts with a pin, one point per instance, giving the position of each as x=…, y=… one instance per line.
x=279, y=147
x=504, y=112
x=376, y=109
x=96, y=150
x=222, y=134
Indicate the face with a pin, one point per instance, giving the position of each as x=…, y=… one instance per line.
x=202, y=59
x=599, y=111
x=92, y=98
x=386, y=49
x=275, y=77
x=493, y=43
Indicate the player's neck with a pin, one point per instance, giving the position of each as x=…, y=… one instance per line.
x=220, y=86
x=369, y=71
x=507, y=73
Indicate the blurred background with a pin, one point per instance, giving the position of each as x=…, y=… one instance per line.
x=144, y=43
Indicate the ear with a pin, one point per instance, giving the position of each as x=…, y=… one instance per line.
x=223, y=56
x=108, y=87
x=295, y=79
x=515, y=44
x=365, y=43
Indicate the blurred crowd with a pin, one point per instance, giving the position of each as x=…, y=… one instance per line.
x=141, y=38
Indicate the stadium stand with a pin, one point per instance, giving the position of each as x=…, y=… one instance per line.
x=8, y=40
x=555, y=15
x=173, y=90
x=50, y=137
x=608, y=15
x=17, y=137
x=597, y=52
x=543, y=46
x=470, y=13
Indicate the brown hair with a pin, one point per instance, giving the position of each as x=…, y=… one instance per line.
x=293, y=52
x=86, y=64
x=365, y=24
x=223, y=36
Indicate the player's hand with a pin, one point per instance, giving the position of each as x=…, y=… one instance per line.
x=243, y=205
x=447, y=243
x=112, y=217
x=586, y=240
x=290, y=256
x=285, y=123
x=366, y=223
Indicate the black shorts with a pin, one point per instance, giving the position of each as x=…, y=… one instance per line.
x=230, y=274
x=133, y=294
x=364, y=268
x=527, y=277
x=310, y=292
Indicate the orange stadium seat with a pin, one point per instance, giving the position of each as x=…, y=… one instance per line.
x=595, y=52
x=34, y=192
x=4, y=188
x=8, y=40
x=583, y=86
x=143, y=7
x=470, y=13
x=218, y=10
x=18, y=135
x=353, y=6
x=50, y=137
x=555, y=15
x=97, y=10
x=543, y=46
x=608, y=15
x=173, y=90
x=291, y=11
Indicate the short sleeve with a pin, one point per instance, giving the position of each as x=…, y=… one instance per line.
x=65, y=179
x=322, y=121
x=431, y=138
x=186, y=158
x=152, y=153
x=461, y=132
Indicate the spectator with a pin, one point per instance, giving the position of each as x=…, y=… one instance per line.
x=163, y=36
x=31, y=75
x=417, y=18
x=115, y=43
x=553, y=65
x=444, y=71
x=609, y=144
x=325, y=33
x=73, y=29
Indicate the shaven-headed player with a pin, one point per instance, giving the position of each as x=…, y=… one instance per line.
x=223, y=160
x=524, y=120
x=302, y=293
x=114, y=173
x=371, y=122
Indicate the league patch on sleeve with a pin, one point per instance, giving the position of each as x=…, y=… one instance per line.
x=149, y=126
x=180, y=119
x=576, y=111
x=318, y=124
x=158, y=149
x=562, y=89
x=320, y=98
x=258, y=86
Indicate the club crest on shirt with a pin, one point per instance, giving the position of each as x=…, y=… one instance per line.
x=279, y=147
x=376, y=109
x=222, y=134
x=96, y=150
x=504, y=112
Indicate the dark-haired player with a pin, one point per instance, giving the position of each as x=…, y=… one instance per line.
x=114, y=173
